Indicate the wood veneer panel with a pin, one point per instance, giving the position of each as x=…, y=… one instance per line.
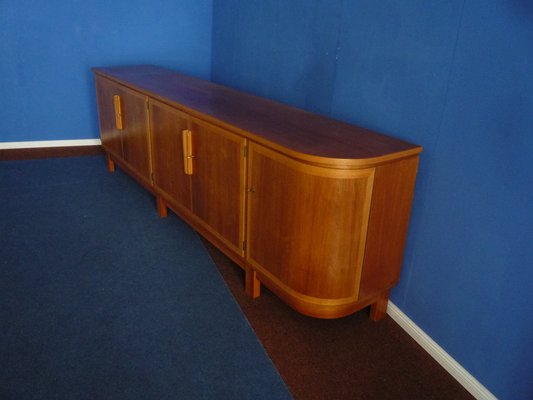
x=132, y=142
x=166, y=126
x=307, y=226
x=109, y=134
x=308, y=136
x=218, y=181
x=389, y=219
x=135, y=136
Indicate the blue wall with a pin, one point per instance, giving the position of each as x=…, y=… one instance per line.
x=452, y=76
x=48, y=47
x=457, y=78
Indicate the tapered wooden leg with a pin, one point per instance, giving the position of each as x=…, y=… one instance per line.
x=253, y=285
x=162, y=209
x=110, y=164
x=379, y=308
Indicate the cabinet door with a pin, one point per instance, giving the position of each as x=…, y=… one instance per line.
x=135, y=133
x=110, y=135
x=307, y=226
x=218, y=182
x=166, y=127
x=124, y=131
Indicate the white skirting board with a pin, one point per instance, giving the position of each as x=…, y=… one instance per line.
x=455, y=369
x=49, y=143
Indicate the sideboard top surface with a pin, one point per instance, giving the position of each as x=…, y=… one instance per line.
x=304, y=135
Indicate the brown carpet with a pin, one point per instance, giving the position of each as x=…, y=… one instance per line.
x=347, y=358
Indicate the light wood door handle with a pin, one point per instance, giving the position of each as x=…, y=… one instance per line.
x=186, y=136
x=118, y=112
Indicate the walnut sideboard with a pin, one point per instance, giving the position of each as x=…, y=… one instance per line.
x=315, y=209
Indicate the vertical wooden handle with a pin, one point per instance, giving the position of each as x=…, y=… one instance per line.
x=118, y=112
x=186, y=136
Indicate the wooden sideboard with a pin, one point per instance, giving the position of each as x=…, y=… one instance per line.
x=315, y=209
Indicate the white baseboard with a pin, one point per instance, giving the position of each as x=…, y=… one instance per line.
x=49, y=143
x=455, y=369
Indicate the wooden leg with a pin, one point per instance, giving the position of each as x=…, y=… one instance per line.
x=161, y=207
x=379, y=308
x=110, y=164
x=253, y=285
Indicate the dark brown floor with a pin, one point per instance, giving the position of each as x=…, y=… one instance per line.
x=49, y=152
x=346, y=358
